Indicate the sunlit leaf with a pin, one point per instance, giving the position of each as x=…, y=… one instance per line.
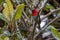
x=6, y=12
x=6, y=38
x=3, y=37
x=18, y=11
x=55, y=33
x=3, y=18
x=10, y=6
x=8, y=9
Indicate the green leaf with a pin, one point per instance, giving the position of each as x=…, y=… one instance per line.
x=18, y=35
x=8, y=10
x=1, y=39
x=0, y=30
x=18, y=11
x=48, y=6
x=0, y=1
x=6, y=38
x=3, y=18
x=55, y=33
x=7, y=33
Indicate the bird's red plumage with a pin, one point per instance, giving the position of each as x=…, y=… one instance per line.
x=34, y=12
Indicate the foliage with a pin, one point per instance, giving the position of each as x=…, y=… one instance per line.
x=22, y=19
x=18, y=11
x=0, y=2
x=8, y=14
x=3, y=37
x=55, y=33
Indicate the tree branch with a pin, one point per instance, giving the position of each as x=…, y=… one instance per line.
x=46, y=26
x=56, y=10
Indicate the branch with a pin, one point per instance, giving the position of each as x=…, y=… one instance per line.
x=38, y=16
x=46, y=26
x=56, y=10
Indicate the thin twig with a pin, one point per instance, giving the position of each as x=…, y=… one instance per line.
x=56, y=3
x=43, y=5
x=24, y=21
x=38, y=3
x=25, y=15
x=26, y=1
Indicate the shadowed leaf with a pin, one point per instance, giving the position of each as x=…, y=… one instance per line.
x=3, y=18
